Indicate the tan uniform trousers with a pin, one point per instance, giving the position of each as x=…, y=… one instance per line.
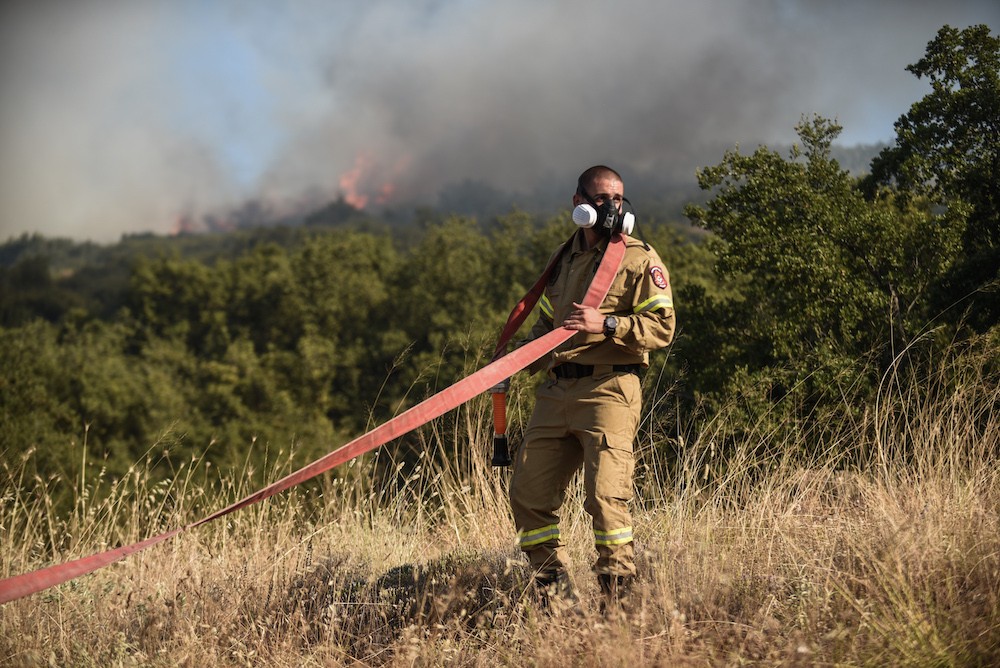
x=589, y=422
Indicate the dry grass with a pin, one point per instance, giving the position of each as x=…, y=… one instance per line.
x=783, y=561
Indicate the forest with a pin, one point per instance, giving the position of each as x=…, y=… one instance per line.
x=806, y=284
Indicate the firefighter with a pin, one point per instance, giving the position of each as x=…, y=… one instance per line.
x=587, y=411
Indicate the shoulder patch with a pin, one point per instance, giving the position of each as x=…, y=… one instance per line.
x=659, y=278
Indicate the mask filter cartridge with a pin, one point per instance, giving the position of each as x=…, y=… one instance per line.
x=585, y=215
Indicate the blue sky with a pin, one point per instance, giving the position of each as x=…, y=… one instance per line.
x=122, y=117
x=223, y=99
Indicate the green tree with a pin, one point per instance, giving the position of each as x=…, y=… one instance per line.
x=264, y=304
x=947, y=149
x=440, y=302
x=344, y=282
x=34, y=414
x=824, y=276
x=182, y=299
x=28, y=291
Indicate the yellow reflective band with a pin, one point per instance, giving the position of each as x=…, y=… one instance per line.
x=538, y=536
x=614, y=537
x=546, y=307
x=653, y=303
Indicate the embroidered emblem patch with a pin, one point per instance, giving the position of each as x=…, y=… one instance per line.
x=659, y=279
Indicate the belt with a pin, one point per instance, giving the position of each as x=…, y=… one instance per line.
x=571, y=370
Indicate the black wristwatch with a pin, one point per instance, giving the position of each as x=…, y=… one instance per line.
x=610, y=325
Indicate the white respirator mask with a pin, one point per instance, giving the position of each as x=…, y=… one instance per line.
x=605, y=219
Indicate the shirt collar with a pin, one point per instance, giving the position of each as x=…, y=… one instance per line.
x=579, y=244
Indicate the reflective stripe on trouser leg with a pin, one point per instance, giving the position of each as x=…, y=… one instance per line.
x=613, y=537
x=529, y=539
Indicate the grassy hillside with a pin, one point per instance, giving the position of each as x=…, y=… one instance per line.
x=884, y=551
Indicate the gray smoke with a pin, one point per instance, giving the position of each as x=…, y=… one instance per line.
x=126, y=117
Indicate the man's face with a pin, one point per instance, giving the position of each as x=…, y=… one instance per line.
x=603, y=188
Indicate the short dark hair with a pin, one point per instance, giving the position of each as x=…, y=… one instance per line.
x=592, y=174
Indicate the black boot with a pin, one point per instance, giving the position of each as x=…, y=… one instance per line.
x=615, y=593
x=556, y=594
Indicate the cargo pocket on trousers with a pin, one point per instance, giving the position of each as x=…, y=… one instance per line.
x=615, y=467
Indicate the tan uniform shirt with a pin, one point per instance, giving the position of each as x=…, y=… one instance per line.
x=639, y=297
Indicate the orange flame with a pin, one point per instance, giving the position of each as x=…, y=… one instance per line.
x=359, y=185
x=385, y=193
x=183, y=224
x=350, y=181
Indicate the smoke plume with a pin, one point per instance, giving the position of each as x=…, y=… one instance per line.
x=129, y=117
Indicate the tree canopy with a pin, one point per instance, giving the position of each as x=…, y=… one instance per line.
x=947, y=150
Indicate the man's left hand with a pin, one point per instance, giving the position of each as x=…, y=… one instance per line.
x=585, y=319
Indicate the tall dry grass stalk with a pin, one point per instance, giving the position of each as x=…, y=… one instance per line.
x=885, y=550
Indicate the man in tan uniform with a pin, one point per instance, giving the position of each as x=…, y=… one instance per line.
x=587, y=412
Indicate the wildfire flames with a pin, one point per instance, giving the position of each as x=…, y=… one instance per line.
x=183, y=224
x=350, y=181
x=187, y=223
x=360, y=184
x=366, y=183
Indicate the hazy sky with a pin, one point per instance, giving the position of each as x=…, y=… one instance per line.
x=122, y=116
